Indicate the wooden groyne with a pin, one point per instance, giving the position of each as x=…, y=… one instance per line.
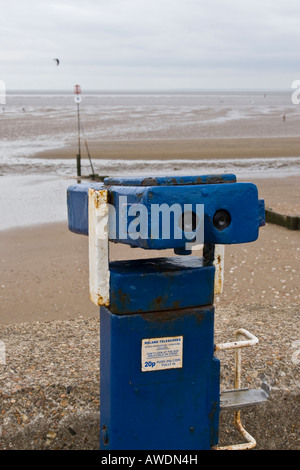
x=289, y=221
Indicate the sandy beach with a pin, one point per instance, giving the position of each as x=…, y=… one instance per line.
x=49, y=397
x=229, y=148
x=44, y=273
x=44, y=268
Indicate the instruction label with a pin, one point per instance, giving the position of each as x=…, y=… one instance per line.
x=162, y=353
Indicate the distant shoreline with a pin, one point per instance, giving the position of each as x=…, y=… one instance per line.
x=193, y=149
x=69, y=91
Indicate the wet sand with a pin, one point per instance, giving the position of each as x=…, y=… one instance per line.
x=185, y=149
x=280, y=194
x=44, y=268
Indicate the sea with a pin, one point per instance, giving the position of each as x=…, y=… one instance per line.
x=33, y=189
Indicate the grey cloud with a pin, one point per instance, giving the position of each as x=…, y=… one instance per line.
x=166, y=37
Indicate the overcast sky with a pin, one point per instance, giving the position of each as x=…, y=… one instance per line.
x=153, y=44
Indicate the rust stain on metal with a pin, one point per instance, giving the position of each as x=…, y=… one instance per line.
x=250, y=441
x=213, y=412
x=158, y=303
x=215, y=179
x=123, y=298
x=199, y=180
x=163, y=316
x=176, y=304
x=99, y=300
x=218, y=280
x=172, y=315
x=100, y=196
x=149, y=182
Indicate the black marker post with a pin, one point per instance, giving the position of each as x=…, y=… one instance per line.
x=77, y=100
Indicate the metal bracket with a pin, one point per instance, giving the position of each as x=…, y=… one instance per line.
x=240, y=398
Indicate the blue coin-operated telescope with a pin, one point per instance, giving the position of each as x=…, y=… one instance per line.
x=159, y=377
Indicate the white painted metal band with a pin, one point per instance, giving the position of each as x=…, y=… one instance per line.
x=98, y=247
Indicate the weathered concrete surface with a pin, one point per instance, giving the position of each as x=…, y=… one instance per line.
x=50, y=383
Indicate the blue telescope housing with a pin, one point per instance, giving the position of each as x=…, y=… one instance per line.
x=232, y=211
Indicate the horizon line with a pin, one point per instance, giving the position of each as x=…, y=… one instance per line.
x=146, y=90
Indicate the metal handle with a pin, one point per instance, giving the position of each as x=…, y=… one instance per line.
x=237, y=345
x=252, y=340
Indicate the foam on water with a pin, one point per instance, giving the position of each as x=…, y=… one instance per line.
x=250, y=167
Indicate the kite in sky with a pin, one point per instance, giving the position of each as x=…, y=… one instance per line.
x=57, y=61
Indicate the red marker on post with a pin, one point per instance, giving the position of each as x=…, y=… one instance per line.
x=77, y=90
